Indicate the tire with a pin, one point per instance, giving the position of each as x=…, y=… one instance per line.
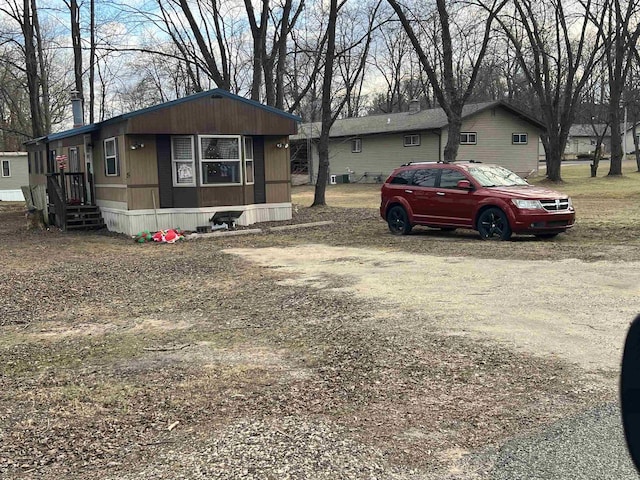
x=398, y=221
x=546, y=235
x=493, y=225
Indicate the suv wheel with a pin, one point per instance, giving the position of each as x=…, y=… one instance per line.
x=493, y=224
x=398, y=221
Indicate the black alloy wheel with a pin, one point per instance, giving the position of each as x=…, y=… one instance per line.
x=493, y=225
x=398, y=221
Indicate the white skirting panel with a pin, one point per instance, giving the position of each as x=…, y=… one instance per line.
x=11, y=196
x=130, y=222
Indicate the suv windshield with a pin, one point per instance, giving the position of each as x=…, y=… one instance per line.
x=494, y=176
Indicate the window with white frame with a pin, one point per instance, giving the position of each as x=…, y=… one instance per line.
x=520, y=138
x=220, y=161
x=248, y=161
x=412, y=140
x=468, y=138
x=183, y=161
x=111, y=161
x=6, y=168
x=356, y=145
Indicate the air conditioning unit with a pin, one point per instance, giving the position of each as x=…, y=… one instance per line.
x=333, y=179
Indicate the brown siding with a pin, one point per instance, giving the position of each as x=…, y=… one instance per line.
x=221, y=196
x=277, y=160
x=142, y=163
x=212, y=116
x=142, y=198
x=111, y=194
x=278, y=192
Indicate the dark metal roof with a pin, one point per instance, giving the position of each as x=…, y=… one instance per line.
x=215, y=93
x=431, y=119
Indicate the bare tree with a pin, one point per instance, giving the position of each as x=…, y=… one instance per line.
x=450, y=88
x=331, y=107
x=620, y=30
x=556, y=56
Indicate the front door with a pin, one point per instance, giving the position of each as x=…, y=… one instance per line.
x=451, y=205
x=88, y=170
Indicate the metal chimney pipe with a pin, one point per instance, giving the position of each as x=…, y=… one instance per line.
x=76, y=108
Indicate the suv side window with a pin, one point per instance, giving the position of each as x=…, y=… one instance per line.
x=403, y=177
x=426, y=177
x=450, y=178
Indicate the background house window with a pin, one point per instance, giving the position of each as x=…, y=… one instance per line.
x=520, y=139
x=248, y=160
x=183, y=162
x=468, y=138
x=6, y=170
x=356, y=145
x=220, y=160
x=111, y=163
x=412, y=140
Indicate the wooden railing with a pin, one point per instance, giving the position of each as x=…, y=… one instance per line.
x=57, y=199
x=74, y=189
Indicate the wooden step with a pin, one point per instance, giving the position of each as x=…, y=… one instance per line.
x=84, y=217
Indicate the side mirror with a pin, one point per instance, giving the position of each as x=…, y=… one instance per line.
x=464, y=185
x=630, y=391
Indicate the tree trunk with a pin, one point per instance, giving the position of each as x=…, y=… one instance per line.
x=635, y=145
x=77, y=46
x=31, y=70
x=554, y=149
x=92, y=62
x=327, y=117
x=453, y=138
x=596, y=159
x=323, y=171
x=45, y=109
x=615, y=168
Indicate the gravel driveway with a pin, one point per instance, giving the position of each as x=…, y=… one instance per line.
x=568, y=309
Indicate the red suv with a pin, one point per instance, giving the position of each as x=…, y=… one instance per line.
x=488, y=198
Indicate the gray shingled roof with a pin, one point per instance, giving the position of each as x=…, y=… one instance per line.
x=432, y=119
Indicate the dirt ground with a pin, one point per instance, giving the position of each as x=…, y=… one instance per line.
x=331, y=352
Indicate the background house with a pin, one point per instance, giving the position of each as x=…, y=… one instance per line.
x=583, y=139
x=369, y=148
x=14, y=174
x=172, y=165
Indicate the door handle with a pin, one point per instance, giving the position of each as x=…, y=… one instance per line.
x=408, y=191
x=440, y=193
